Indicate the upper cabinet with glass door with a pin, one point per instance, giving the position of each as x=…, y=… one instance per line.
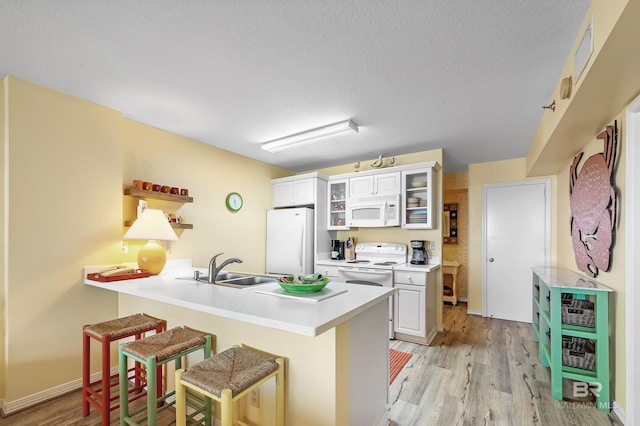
x=338, y=194
x=417, y=199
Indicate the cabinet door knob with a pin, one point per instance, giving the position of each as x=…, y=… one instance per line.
x=491, y=259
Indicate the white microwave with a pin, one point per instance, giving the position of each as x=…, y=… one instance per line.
x=374, y=212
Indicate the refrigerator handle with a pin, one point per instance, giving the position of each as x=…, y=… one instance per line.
x=301, y=248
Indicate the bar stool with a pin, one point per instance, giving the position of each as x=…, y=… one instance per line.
x=227, y=377
x=154, y=352
x=106, y=332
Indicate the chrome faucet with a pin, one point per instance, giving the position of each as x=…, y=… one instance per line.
x=215, y=270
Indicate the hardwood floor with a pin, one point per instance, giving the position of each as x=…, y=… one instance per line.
x=478, y=372
x=481, y=371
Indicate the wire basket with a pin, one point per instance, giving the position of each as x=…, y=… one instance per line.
x=578, y=312
x=578, y=353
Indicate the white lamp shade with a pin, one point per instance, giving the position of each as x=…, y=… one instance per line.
x=151, y=225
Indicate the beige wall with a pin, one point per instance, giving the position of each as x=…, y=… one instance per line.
x=455, y=190
x=68, y=160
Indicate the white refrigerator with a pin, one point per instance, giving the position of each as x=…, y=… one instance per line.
x=290, y=241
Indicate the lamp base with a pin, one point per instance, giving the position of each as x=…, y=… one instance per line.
x=152, y=257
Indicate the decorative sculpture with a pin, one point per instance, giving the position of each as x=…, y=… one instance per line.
x=593, y=205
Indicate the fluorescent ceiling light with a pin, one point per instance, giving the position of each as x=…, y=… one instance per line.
x=311, y=136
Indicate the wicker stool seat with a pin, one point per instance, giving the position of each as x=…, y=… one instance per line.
x=227, y=377
x=98, y=392
x=153, y=352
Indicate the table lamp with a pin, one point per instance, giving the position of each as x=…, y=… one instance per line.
x=151, y=225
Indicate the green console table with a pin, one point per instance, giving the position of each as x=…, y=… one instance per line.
x=551, y=288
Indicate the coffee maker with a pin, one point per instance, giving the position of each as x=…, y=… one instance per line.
x=419, y=255
x=337, y=250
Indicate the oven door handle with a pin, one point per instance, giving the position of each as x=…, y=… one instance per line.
x=360, y=271
x=363, y=282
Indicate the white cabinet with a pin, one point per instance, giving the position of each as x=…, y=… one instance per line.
x=417, y=199
x=338, y=194
x=410, y=310
x=299, y=192
x=376, y=184
x=414, y=311
x=328, y=270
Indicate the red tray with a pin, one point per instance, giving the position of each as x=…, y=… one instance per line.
x=128, y=276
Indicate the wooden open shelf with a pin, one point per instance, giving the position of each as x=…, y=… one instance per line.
x=128, y=223
x=135, y=192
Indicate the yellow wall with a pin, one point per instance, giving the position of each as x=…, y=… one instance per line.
x=68, y=160
x=479, y=175
x=210, y=174
x=2, y=235
x=608, y=84
x=455, y=190
x=64, y=212
x=615, y=278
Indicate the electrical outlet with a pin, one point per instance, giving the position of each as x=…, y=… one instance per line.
x=125, y=247
x=254, y=397
x=432, y=245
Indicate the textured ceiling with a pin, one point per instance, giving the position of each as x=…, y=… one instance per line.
x=466, y=76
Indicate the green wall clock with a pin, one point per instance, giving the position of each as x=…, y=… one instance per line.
x=234, y=201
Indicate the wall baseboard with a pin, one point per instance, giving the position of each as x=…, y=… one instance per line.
x=619, y=413
x=12, y=407
x=474, y=313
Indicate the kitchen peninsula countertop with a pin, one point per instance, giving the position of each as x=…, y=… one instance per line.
x=291, y=315
x=429, y=267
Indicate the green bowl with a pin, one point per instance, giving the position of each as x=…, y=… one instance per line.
x=305, y=288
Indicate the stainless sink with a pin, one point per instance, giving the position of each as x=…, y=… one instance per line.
x=233, y=280
x=225, y=276
x=246, y=280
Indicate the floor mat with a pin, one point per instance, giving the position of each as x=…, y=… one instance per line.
x=397, y=360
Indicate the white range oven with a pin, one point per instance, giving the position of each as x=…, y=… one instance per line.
x=374, y=266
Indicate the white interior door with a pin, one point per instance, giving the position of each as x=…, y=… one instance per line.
x=515, y=239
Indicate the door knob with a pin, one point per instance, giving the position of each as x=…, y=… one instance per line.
x=491, y=259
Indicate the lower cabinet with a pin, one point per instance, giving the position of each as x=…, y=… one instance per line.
x=327, y=270
x=410, y=309
x=414, y=311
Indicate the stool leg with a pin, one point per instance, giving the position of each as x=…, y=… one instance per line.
x=280, y=395
x=123, y=385
x=207, y=411
x=226, y=408
x=154, y=372
x=86, y=373
x=181, y=402
x=137, y=370
x=106, y=379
